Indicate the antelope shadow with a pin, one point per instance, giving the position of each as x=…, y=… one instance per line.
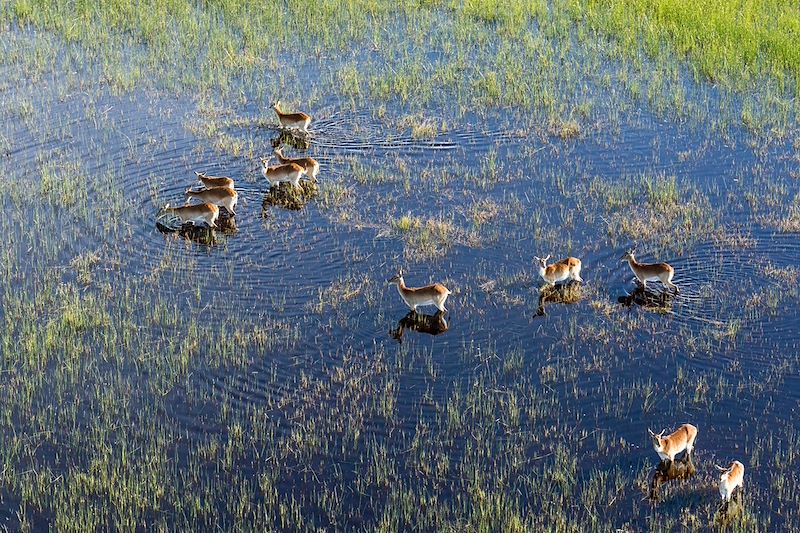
x=295, y=139
x=421, y=323
x=671, y=470
x=568, y=293
x=729, y=510
x=289, y=197
x=659, y=302
x=199, y=233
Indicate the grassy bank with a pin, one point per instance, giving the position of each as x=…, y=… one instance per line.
x=536, y=55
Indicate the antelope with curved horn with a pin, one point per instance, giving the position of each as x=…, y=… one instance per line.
x=222, y=196
x=435, y=294
x=645, y=272
x=214, y=181
x=569, y=268
x=679, y=440
x=731, y=477
x=309, y=163
x=291, y=173
x=298, y=120
x=199, y=213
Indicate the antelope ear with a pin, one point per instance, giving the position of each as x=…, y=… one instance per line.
x=548, y=257
x=536, y=257
x=399, y=271
x=650, y=431
x=662, y=432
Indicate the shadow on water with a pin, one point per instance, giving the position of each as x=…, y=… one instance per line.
x=656, y=302
x=669, y=471
x=729, y=511
x=289, y=197
x=569, y=293
x=421, y=323
x=200, y=234
x=296, y=140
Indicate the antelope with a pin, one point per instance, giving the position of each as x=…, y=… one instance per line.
x=674, y=443
x=290, y=172
x=222, y=196
x=194, y=214
x=731, y=477
x=569, y=268
x=645, y=272
x=435, y=294
x=299, y=120
x=309, y=163
x=214, y=181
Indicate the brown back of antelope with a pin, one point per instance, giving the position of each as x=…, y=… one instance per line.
x=214, y=181
x=731, y=477
x=206, y=212
x=568, y=268
x=298, y=120
x=223, y=196
x=645, y=272
x=435, y=294
x=309, y=163
x=679, y=440
x=290, y=172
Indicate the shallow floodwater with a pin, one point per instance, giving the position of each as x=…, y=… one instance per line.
x=722, y=354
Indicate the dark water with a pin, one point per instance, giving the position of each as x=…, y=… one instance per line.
x=273, y=264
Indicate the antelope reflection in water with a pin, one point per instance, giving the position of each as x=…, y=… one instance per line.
x=421, y=323
x=200, y=234
x=729, y=510
x=660, y=302
x=671, y=470
x=558, y=294
x=287, y=138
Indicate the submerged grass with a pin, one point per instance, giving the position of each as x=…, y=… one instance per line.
x=183, y=396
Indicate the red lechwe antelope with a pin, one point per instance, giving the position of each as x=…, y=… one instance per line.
x=291, y=172
x=214, y=181
x=674, y=443
x=435, y=294
x=195, y=214
x=645, y=272
x=569, y=268
x=731, y=477
x=309, y=163
x=298, y=120
x=222, y=196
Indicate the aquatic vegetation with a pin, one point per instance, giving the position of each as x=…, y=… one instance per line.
x=249, y=378
x=426, y=237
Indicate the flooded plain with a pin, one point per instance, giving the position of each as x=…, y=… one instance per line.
x=264, y=375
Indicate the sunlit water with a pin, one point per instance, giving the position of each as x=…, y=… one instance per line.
x=273, y=262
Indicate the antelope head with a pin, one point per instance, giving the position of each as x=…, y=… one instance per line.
x=656, y=438
x=397, y=278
